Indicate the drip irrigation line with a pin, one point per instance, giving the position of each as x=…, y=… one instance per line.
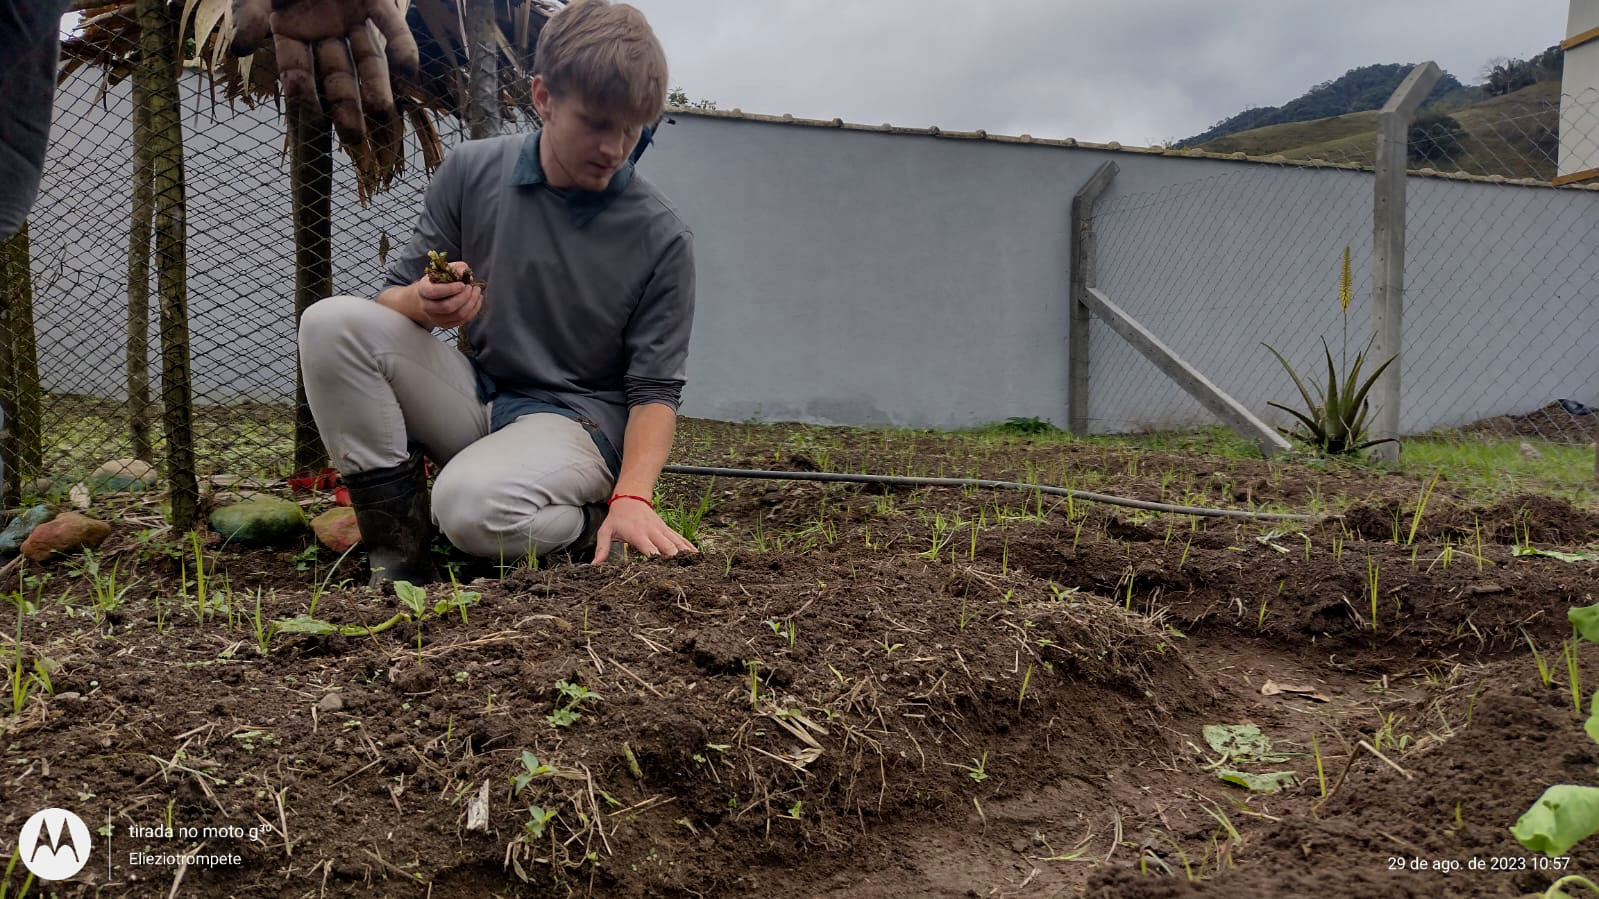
x=899, y=481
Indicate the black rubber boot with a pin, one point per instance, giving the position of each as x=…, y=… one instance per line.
x=581, y=550
x=391, y=509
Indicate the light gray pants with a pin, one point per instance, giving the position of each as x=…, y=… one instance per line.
x=377, y=382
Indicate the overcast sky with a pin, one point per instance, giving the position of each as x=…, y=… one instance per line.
x=1135, y=71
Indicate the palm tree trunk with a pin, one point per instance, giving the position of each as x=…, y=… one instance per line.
x=311, y=185
x=482, y=101
x=160, y=58
x=483, y=76
x=20, y=393
x=139, y=273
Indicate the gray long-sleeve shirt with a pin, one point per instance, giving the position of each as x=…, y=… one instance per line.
x=591, y=295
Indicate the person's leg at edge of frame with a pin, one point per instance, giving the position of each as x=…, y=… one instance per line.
x=379, y=386
x=537, y=487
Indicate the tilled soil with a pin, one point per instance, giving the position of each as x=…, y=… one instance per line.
x=850, y=692
x=1552, y=423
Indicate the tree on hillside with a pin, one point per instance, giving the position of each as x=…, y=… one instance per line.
x=1435, y=139
x=1502, y=75
x=676, y=97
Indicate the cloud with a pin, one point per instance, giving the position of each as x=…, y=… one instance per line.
x=1135, y=71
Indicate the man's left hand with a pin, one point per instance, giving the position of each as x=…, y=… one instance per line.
x=637, y=525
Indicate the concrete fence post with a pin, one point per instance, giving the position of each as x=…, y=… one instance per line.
x=1082, y=278
x=1388, y=250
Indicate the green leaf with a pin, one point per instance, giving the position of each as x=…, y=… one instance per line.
x=414, y=597
x=1242, y=742
x=304, y=624
x=1585, y=619
x=1371, y=381
x=1312, y=427
x=575, y=692
x=1564, y=815
x=538, y=818
x=1522, y=552
x=1592, y=724
x=1303, y=392
x=1258, y=783
x=1558, y=889
x=1337, y=415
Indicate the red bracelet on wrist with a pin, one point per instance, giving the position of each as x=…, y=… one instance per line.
x=618, y=496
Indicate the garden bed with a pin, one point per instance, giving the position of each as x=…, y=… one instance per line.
x=850, y=692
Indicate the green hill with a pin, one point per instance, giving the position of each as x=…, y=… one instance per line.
x=1513, y=134
x=1357, y=90
x=1508, y=125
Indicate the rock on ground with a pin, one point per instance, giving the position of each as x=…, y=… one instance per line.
x=52, y=488
x=20, y=527
x=261, y=520
x=121, y=475
x=336, y=529
x=67, y=532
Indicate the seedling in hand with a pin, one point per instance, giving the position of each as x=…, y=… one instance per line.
x=439, y=271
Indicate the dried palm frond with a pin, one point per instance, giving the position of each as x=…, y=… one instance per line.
x=107, y=36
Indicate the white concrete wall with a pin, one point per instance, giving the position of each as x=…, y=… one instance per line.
x=855, y=277
x=858, y=277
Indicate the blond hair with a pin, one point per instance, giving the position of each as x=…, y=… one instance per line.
x=607, y=54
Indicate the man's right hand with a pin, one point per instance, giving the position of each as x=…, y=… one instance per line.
x=449, y=305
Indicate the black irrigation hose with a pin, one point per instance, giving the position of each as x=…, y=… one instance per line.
x=895, y=480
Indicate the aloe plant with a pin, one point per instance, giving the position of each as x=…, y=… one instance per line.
x=1335, y=417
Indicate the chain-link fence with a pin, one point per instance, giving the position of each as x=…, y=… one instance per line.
x=1518, y=268
x=134, y=325
x=149, y=310
x=1501, y=280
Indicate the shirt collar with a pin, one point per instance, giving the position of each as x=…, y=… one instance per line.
x=584, y=205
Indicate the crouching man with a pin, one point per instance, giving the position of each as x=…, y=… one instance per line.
x=553, y=434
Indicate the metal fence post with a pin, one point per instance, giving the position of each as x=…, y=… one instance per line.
x=1388, y=249
x=1082, y=278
